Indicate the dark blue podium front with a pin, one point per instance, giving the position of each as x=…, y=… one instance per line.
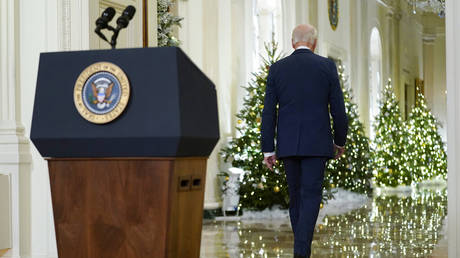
x=172, y=111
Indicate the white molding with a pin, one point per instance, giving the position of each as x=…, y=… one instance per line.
x=64, y=26
x=152, y=23
x=7, y=61
x=7, y=255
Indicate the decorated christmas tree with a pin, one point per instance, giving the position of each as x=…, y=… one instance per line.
x=427, y=156
x=166, y=23
x=260, y=187
x=390, y=157
x=353, y=170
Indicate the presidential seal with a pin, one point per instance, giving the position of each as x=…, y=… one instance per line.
x=101, y=92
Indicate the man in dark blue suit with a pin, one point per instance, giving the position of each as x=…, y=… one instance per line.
x=302, y=90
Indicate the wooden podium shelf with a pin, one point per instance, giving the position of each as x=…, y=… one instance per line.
x=128, y=207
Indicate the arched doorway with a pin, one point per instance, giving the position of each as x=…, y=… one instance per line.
x=375, y=77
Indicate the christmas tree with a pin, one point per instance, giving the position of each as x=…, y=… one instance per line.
x=428, y=158
x=390, y=158
x=260, y=187
x=353, y=170
x=166, y=22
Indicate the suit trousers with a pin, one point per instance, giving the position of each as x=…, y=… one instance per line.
x=305, y=177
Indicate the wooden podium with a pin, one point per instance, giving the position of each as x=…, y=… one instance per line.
x=133, y=187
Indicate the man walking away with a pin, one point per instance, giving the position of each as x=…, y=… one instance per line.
x=306, y=89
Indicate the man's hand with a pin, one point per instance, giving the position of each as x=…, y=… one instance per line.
x=339, y=151
x=270, y=161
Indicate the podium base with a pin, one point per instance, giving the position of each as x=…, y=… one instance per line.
x=128, y=207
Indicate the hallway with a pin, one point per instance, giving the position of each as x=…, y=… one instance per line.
x=391, y=224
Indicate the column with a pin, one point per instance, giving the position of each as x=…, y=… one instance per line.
x=302, y=14
x=313, y=13
x=428, y=67
x=14, y=155
x=289, y=14
x=205, y=38
x=359, y=68
x=215, y=56
x=440, y=94
x=391, y=47
x=152, y=22
x=453, y=126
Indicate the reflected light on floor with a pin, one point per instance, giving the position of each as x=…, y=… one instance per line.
x=402, y=225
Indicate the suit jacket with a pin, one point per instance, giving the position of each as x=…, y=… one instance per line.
x=302, y=90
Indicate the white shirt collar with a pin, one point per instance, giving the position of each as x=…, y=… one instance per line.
x=302, y=47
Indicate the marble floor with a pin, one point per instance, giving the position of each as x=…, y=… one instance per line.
x=402, y=224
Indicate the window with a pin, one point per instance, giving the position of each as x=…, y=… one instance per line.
x=375, y=77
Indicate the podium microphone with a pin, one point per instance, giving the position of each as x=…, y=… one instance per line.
x=122, y=22
x=103, y=22
x=127, y=15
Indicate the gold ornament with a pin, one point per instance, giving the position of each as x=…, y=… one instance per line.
x=276, y=189
x=320, y=205
x=240, y=121
x=227, y=178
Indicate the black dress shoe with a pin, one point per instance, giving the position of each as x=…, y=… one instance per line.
x=299, y=256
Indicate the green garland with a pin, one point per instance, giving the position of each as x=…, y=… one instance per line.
x=166, y=23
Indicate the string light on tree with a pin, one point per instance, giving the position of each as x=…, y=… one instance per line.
x=427, y=156
x=353, y=170
x=391, y=161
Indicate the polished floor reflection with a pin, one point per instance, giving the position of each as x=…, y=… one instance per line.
x=391, y=224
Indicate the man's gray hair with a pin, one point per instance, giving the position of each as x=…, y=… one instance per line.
x=308, y=36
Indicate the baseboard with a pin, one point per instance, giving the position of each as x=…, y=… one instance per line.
x=4, y=255
x=212, y=205
x=211, y=214
x=5, y=214
x=3, y=251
